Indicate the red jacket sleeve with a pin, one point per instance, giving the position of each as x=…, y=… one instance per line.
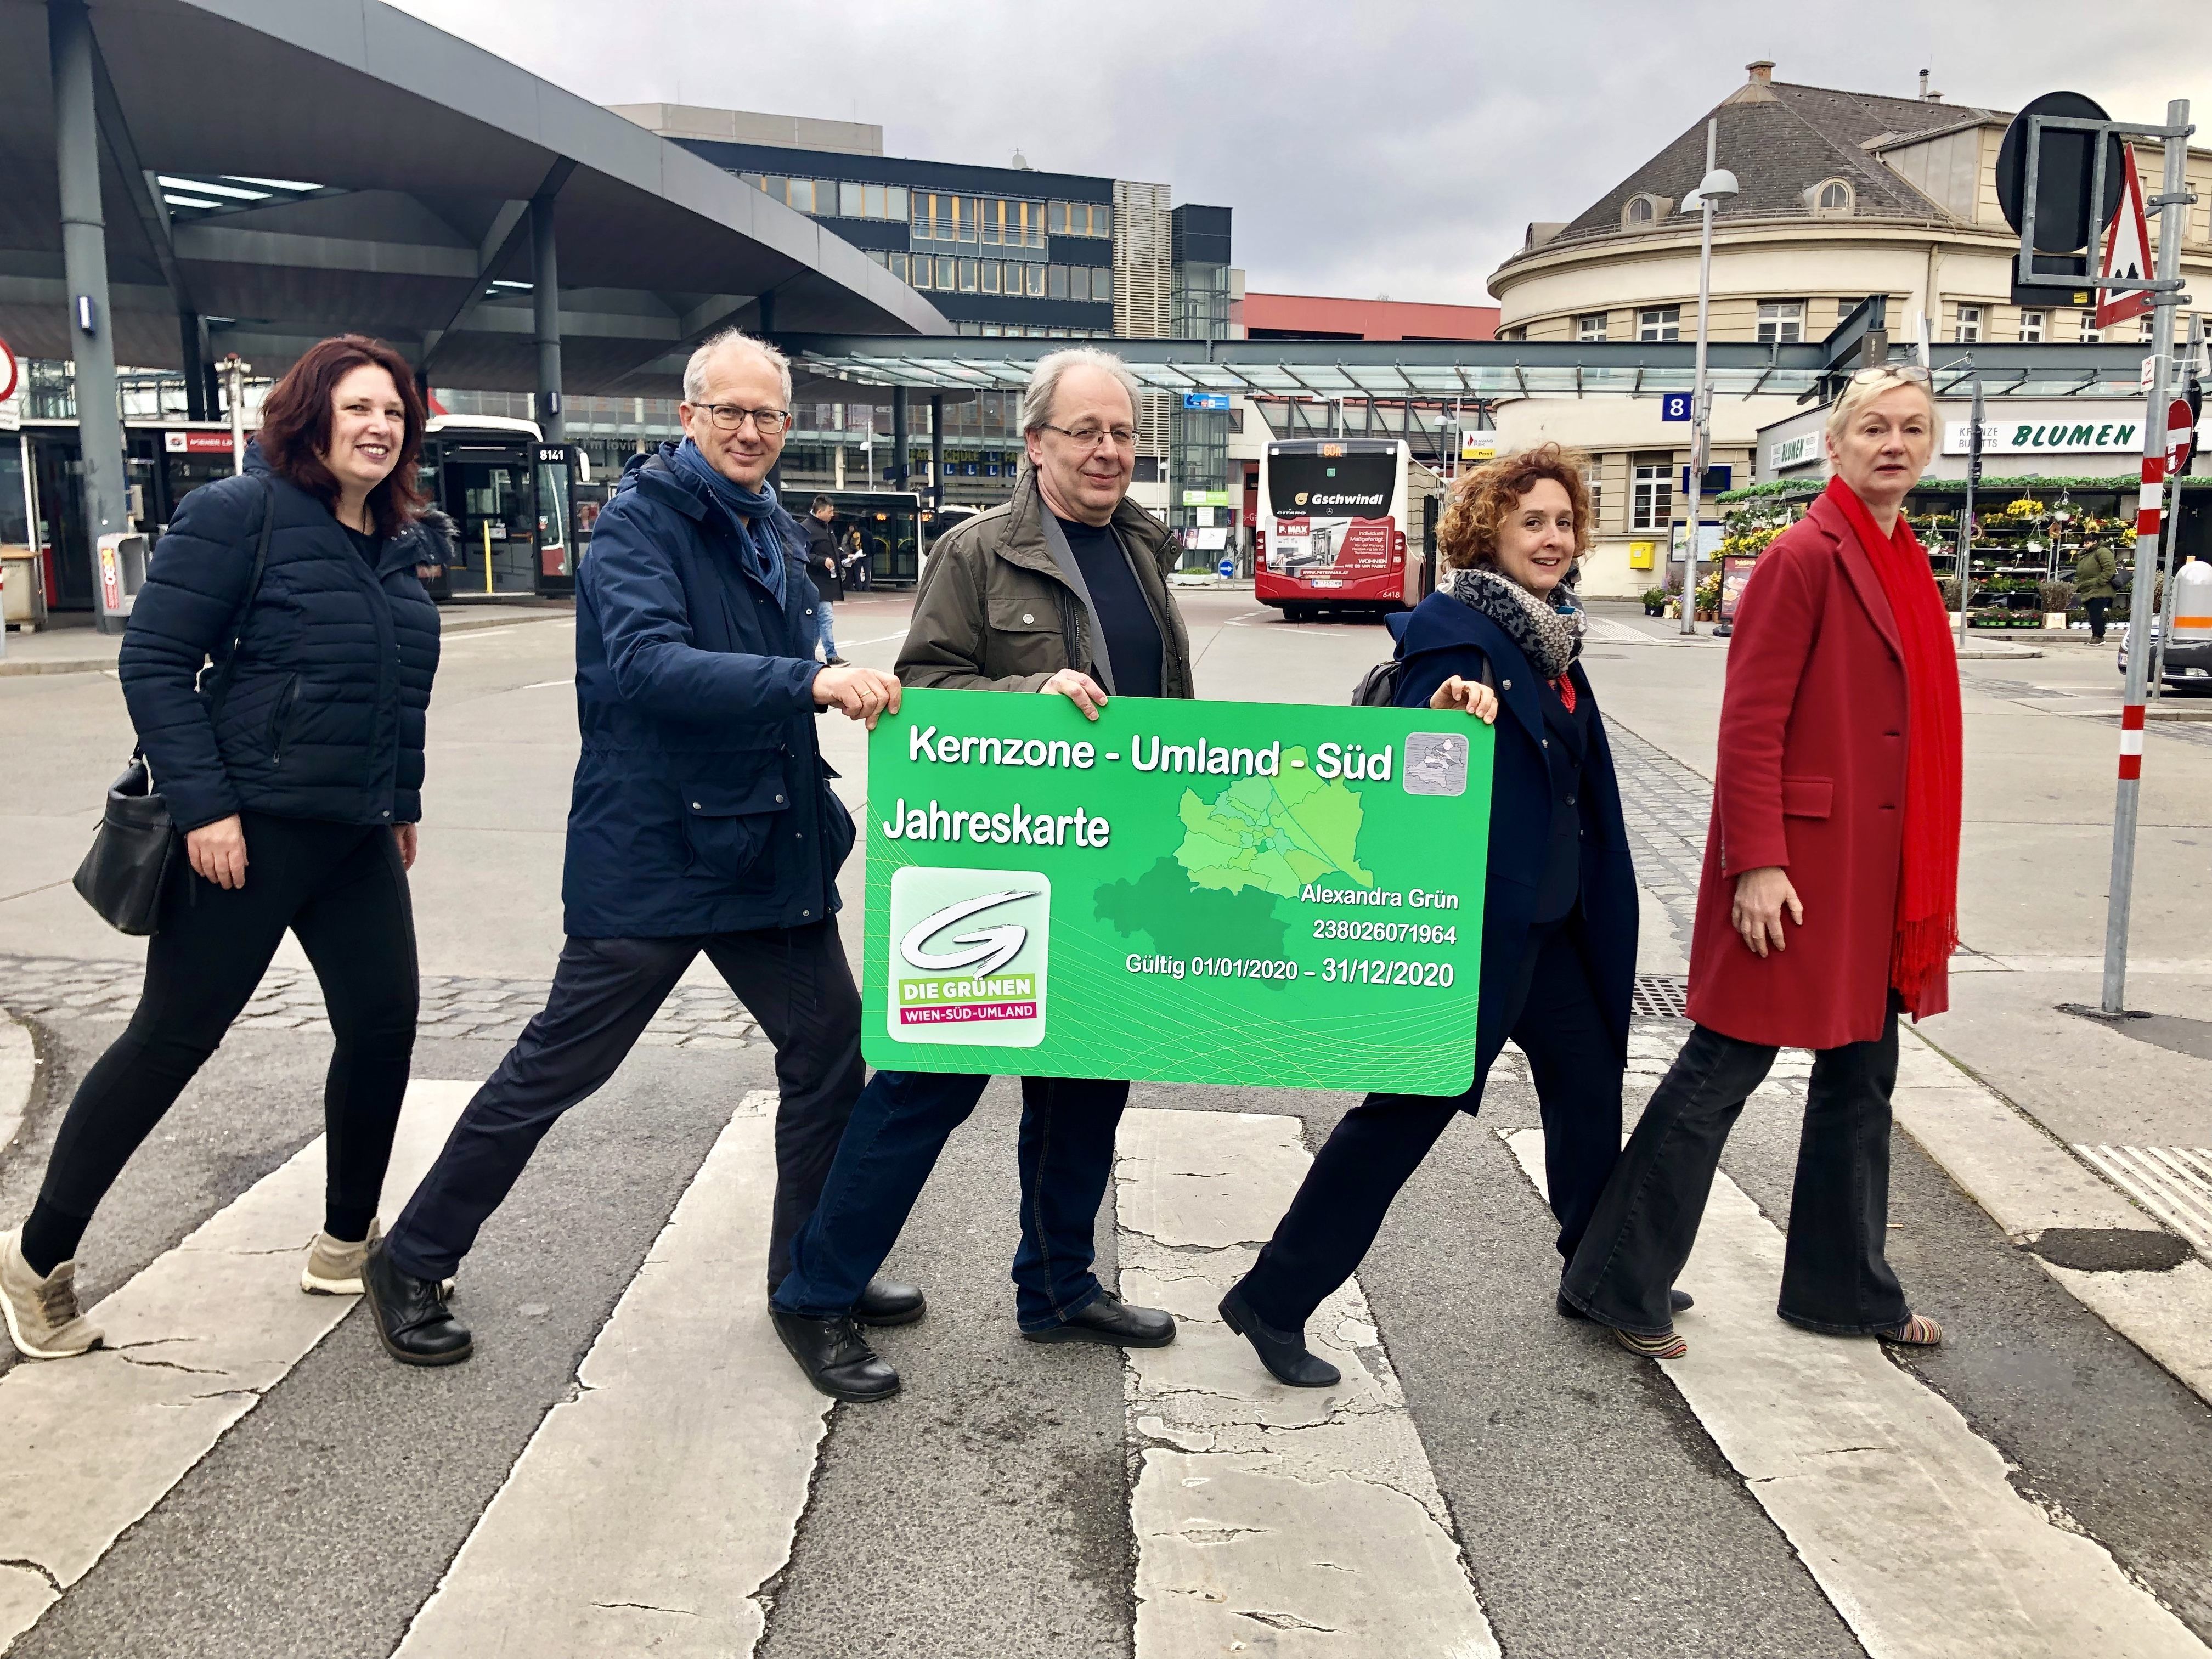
x=1775, y=622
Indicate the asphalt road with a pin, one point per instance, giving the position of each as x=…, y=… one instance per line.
x=986, y=1510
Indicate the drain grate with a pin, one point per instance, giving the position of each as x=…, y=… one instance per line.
x=1660, y=996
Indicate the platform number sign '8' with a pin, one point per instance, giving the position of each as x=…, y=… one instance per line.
x=1675, y=406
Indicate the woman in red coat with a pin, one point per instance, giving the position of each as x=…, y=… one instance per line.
x=1829, y=899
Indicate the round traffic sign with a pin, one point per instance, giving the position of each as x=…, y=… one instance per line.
x=2062, y=176
x=1227, y=566
x=2180, y=433
x=7, y=372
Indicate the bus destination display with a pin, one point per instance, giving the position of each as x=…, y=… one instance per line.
x=1194, y=892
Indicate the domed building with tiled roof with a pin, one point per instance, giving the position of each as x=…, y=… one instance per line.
x=1843, y=195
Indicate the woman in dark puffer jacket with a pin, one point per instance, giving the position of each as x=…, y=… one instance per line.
x=297, y=792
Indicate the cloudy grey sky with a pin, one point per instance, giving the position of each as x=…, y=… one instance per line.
x=1368, y=148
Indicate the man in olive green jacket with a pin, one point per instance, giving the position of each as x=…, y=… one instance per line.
x=2094, y=574
x=994, y=612
x=1061, y=590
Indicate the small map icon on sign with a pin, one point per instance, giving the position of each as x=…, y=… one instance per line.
x=1436, y=763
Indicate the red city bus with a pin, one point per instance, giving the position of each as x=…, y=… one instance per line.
x=1334, y=514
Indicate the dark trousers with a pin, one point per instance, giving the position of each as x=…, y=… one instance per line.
x=901, y=1125
x=1576, y=1063
x=1835, y=1274
x=342, y=890
x=795, y=982
x=2098, y=610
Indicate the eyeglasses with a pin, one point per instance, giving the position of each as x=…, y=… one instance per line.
x=730, y=417
x=1908, y=372
x=1089, y=437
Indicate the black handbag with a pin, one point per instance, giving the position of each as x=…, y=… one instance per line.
x=126, y=872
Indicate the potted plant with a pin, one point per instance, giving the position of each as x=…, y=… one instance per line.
x=1654, y=601
x=2057, y=599
x=1709, y=598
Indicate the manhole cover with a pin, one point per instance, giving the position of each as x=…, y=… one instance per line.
x=1660, y=996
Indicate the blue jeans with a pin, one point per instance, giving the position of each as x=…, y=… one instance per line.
x=828, y=641
x=898, y=1128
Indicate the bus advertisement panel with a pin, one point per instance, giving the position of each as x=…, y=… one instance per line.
x=1332, y=530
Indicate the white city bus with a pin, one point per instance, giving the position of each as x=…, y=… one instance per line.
x=1335, y=519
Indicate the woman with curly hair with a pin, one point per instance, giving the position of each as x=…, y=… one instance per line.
x=1559, y=904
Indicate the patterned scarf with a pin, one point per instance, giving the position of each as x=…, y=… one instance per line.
x=1928, y=886
x=762, y=528
x=1550, y=634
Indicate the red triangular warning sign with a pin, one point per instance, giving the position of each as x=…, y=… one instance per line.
x=2127, y=253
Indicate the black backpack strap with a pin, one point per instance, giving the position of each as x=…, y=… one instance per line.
x=237, y=628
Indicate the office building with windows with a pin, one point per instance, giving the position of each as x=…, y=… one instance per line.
x=999, y=251
x=1002, y=252
x=1843, y=195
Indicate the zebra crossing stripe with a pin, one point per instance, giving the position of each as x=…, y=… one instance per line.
x=1902, y=1513
x=194, y=1340
x=1268, y=1519
x=649, y=1510
x=2175, y=1183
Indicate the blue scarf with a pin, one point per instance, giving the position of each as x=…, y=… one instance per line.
x=762, y=528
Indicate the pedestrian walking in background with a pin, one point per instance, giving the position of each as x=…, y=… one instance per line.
x=1829, y=904
x=1559, y=904
x=2096, y=574
x=702, y=819
x=1061, y=590
x=297, y=790
x=822, y=564
x=853, y=561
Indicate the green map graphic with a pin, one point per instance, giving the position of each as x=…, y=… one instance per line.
x=1184, y=920
x=1275, y=834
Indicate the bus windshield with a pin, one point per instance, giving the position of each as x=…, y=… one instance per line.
x=1334, y=487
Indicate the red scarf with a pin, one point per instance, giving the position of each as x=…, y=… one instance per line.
x=1928, y=884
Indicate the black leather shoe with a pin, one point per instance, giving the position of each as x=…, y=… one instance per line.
x=1680, y=1301
x=1284, y=1353
x=410, y=1313
x=1113, y=1322
x=835, y=1357
x=887, y=1302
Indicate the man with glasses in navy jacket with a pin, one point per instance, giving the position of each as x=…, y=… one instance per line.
x=702, y=819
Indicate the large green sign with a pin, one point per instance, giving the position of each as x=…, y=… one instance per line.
x=1195, y=892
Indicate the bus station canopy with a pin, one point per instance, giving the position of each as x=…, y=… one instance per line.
x=287, y=169
x=1475, y=371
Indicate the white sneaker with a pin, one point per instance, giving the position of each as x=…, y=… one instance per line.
x=334, y=1265
x=44, y=1321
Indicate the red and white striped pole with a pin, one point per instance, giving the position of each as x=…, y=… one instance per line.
x=2165, y=298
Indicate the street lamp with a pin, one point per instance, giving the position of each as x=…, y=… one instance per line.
x=1717, y=184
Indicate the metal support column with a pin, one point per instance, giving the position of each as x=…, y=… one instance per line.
x=1701, y=411
x=898, y=437
x=84, y=265
x=937, y=451
x=1978, y=418
x=191, y=333
x=546, y=304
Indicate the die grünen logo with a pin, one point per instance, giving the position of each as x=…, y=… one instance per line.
x=985, y=951
x=969, y=956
